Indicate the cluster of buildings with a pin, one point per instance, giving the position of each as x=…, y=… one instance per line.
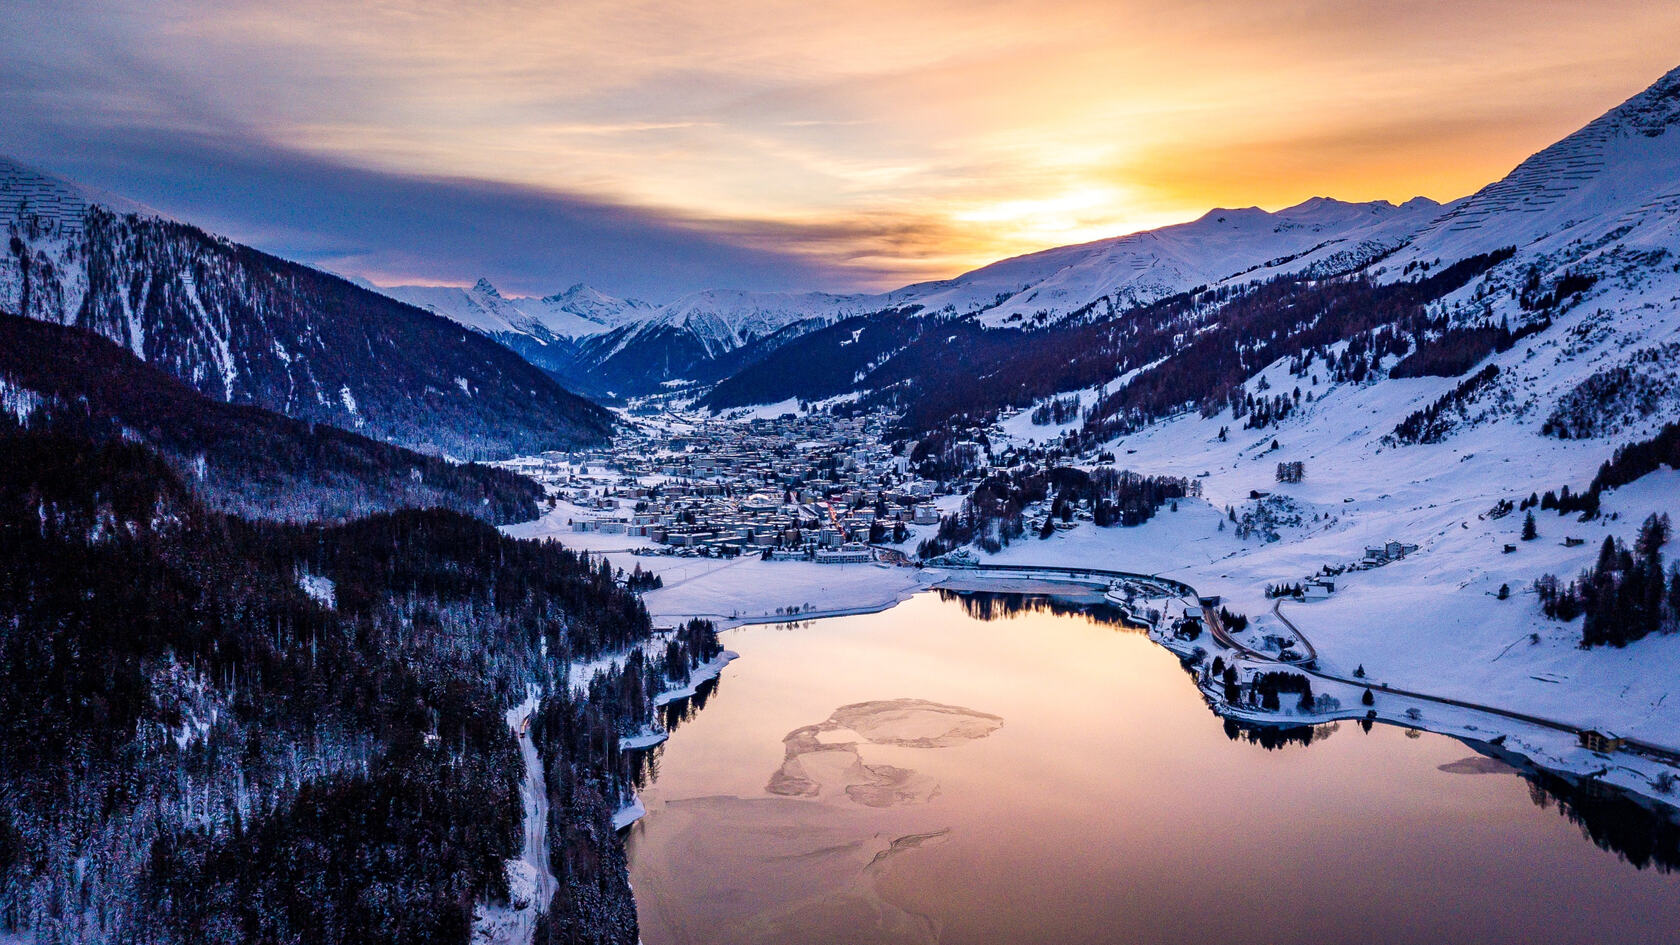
x=802, y=486
x=1378, y=555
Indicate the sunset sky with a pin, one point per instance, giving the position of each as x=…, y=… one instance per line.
x=653, y=148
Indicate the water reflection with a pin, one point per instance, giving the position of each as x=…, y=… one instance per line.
x=644, y=764
x=1274, y=737
x=1640, y=832
x=997, y=605
x=1005, y=768
x=674, y=713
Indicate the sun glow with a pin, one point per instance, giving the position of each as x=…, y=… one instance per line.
x=889, y=139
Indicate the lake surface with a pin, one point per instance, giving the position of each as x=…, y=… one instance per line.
x=984, y=769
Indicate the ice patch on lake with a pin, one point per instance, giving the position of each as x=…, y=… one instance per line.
x=826, y=757
x=828, y=870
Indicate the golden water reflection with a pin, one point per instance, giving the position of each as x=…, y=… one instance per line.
x=985, y=769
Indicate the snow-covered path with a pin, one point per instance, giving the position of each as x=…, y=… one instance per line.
x=531, y=882
x=533, y=792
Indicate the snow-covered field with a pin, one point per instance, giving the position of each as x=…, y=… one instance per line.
x=1431, y=622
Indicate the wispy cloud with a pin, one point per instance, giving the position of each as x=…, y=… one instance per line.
x=845, y=144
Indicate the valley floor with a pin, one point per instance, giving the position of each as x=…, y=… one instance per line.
x=733, y=591
x=1431, y=622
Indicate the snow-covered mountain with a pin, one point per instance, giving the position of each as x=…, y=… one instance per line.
x=605, y=345
x=600, y=343
x=1519, y=356
x=577, y=312
x=1321, y=235
x=248, y=328
x=722, y=320
x=1613, y=185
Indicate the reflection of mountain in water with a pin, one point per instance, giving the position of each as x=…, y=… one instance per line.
x=996, y=605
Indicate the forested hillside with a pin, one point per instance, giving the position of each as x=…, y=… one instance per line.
x=245, y=327
x=241, y=459
x=219, y=730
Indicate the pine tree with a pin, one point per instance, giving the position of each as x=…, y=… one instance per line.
x=1529, y=531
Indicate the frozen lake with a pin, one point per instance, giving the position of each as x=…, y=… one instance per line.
x=987, y=769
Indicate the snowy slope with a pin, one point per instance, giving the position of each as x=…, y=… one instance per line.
x=1320, y=234
x=1617, y=180
x=577, y=312
x=1602, y=205
x=245, y=327
x=722, y=320
x=26, y=192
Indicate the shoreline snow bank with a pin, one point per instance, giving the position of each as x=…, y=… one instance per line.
x=705, y=671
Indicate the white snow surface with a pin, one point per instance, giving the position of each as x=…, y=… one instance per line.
x=321, y=588
x=1603, y=202
x=1430, y=622
x=531, y=882
x=575, y=313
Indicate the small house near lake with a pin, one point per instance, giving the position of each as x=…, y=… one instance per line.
x=1602, y=742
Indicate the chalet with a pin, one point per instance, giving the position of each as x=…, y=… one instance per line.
x=1602, y=742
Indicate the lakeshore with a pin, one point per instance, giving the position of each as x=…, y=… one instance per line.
x=941, y=772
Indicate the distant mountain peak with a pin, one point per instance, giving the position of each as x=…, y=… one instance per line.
x=580, y=291
x=1225, y=214
x=483, y=287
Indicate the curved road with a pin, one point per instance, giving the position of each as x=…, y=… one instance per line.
x=1305, y=664
x=1639, y=746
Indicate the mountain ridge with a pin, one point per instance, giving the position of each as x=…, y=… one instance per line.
x=244, y=326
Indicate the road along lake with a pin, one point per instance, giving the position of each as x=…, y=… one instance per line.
x=982, y=768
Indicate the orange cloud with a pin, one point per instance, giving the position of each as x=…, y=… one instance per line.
x=913, y=137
